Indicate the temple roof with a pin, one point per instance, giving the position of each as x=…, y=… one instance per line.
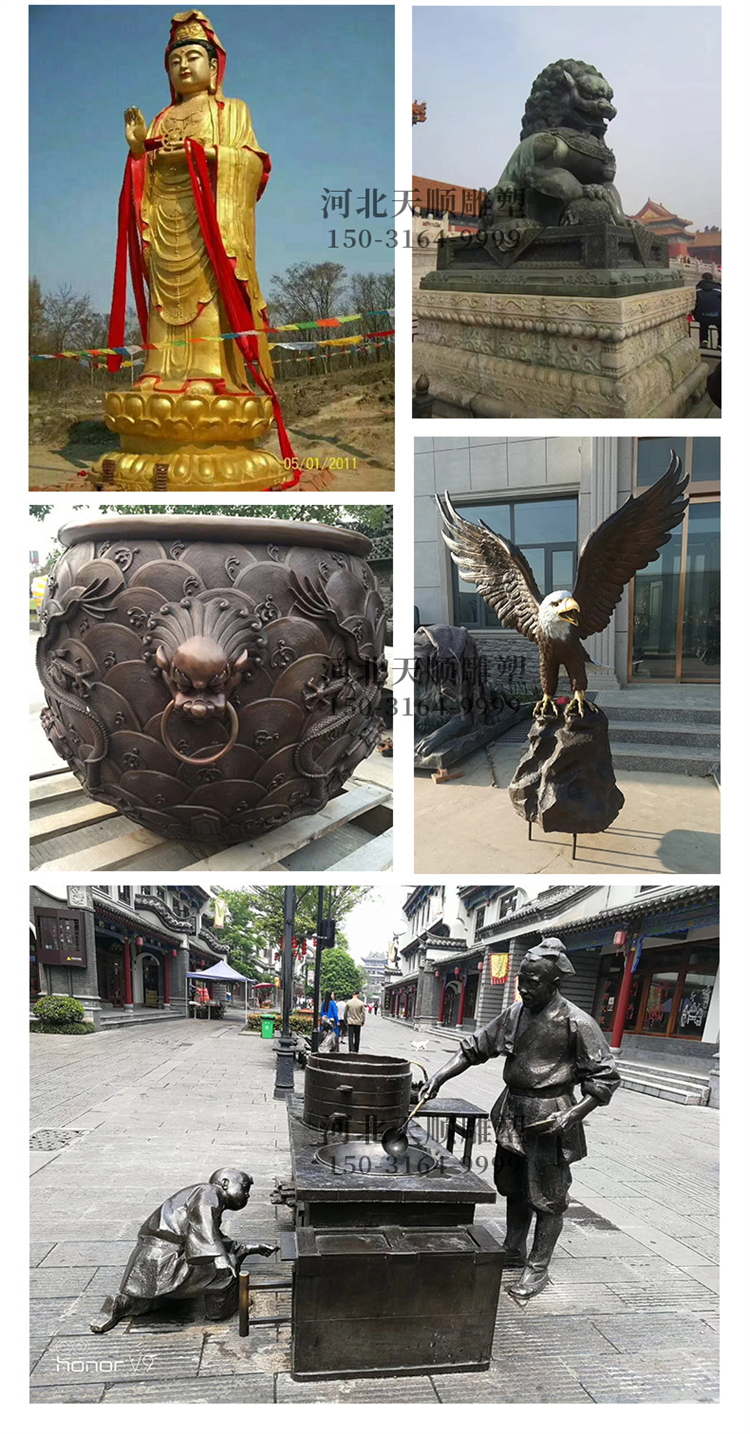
x=651, y=213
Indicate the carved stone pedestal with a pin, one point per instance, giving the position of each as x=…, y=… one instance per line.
x=561, y=356
x=190, y=440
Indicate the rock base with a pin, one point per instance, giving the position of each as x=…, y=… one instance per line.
x=571, y=355
x=566, y=781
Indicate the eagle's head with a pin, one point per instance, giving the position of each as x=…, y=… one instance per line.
x=558, y=613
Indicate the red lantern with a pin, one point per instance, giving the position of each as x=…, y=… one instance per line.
x=139, y=940
x=456, y=970
x=480, y=966
x=174, y=953
x=620, y=937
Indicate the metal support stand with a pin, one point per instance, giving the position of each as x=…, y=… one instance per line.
x=245, y=1319
x=529, y=831
x=575, y=843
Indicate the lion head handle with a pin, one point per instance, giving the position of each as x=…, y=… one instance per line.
x=200, y=676
x=203, y=650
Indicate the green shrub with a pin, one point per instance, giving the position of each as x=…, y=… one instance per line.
x=297, y=1023
x=77, y=1028
x=59, y=1010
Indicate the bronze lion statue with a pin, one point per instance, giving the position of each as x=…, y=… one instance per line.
x=562, y=168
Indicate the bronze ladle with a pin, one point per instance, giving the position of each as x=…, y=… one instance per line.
x=395, y=1140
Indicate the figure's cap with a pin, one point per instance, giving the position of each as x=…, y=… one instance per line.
x=193, y=25
x=551, y=949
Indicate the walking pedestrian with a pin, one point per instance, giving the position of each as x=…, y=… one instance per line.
x=707, y=308
x=329, y=1011
x=355, y=1019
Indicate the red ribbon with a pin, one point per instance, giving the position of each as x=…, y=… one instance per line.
x=128, y=247
x=232, y=292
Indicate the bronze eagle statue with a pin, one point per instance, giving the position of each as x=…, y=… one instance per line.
x=626, y=541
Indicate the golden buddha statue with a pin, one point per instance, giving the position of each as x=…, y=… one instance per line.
x=187, y=226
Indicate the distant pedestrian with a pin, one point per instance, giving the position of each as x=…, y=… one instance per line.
x=355, y=1019
x=329, y=1011
x=341, y=1008
x=707, y=309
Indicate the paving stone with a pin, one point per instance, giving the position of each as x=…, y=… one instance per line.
x=673, y=1292
x=38, y=1251
x=398, y=1390
x=266, y=1350
x=504, y=1383
x=57, y=1281
x=656, y=1331
x=64, y=1394
x=619, y=1379
x=117, y=1358
x=526, y=1333
x=707, y=1275
x=576, y=1299
x=237, y=1389
x=88, y=1252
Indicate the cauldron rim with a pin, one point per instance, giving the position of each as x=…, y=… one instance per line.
x=200, y=528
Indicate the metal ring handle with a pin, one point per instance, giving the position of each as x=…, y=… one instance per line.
x=234, y=723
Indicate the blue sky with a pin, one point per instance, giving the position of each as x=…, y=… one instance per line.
x=475, y=66
x=319, y=84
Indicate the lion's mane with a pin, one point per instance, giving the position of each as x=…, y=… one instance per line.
x=547, y=105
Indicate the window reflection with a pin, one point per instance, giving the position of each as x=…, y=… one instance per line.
x=546, y=531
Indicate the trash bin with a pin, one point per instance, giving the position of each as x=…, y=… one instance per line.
x=266, y=1028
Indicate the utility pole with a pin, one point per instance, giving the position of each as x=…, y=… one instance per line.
x=286, y=1043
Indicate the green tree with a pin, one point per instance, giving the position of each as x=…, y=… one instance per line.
x=257, y=915
x=340, y=974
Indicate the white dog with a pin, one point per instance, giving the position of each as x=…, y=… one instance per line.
x=420, y=1045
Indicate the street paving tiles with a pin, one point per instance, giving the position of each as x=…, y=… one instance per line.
x=630, y=1314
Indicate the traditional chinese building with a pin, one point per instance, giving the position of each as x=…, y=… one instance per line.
x=646, y=964
x=670, y=226
x=706, y=246
x=122, y=951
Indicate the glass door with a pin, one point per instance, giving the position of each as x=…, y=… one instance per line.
x=701, y=622
x=675, y=622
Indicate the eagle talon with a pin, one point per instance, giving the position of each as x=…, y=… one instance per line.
x=577, y=703
x=546, y=708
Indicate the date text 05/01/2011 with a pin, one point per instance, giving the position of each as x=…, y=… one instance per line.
x=336, y=462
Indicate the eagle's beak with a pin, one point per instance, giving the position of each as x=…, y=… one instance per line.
x=567, y=611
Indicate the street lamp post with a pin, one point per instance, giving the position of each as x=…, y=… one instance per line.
x=286, y=1042
x=315, y=1037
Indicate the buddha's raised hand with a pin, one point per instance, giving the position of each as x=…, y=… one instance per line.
x=135, y=129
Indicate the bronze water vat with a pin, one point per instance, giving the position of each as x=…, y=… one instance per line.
x=211, y=677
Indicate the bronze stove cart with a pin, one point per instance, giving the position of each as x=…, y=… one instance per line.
x=391, y=1275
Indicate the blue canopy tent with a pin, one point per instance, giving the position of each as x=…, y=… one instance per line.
x=220, y=972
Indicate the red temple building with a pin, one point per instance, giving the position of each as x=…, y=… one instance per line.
x=661, y=221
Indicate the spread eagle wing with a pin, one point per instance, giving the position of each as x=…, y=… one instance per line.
x=626, y=541
x=496, y=567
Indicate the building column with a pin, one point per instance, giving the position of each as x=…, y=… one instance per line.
x=460, y=1017
x=444, y=980
x=603, y=501
x=128, y=997
x=623, y=995
x=167, y=959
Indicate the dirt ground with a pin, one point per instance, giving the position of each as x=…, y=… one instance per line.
x=347, y=416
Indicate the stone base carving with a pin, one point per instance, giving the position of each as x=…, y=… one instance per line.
x=191, y=440
x=539, y=356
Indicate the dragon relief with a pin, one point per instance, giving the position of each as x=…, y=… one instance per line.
x=356, y=613
x=563, y=169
